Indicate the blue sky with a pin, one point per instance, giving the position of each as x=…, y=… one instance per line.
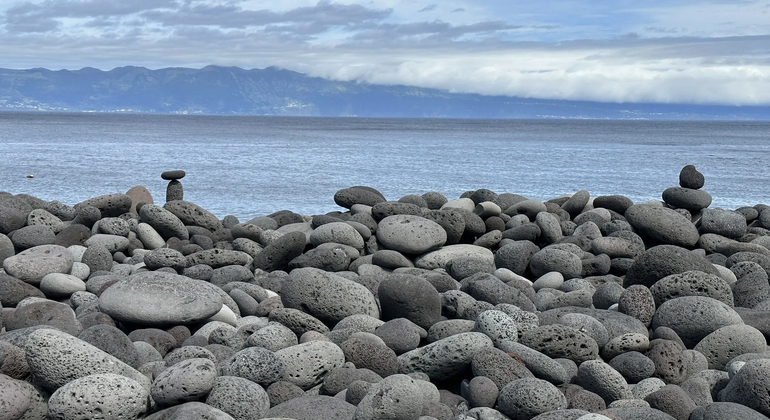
x=621, y=51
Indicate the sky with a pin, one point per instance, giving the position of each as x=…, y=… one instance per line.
x=662, y=51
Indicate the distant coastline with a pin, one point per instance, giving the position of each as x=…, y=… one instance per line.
x=215, y=90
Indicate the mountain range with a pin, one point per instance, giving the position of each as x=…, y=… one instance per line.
x=275, y=91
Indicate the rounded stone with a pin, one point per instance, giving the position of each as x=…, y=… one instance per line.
x=327, y=296
x=105, y=396
x=15, y=398
x=32, y=264
x=727, y=223
x=444, y=358
x=188, y=380
x=278, y=253
x=164, y=222
x=662, y=224
x=554, y=259
x=616, y=247
x=34, y=235
x=550, y=228
x=192, y=214
x=673, y=400
x=239, y=397
x=482, y=392
x=440, y=258
x=159, y=298
x=115, y=342
x=44, y=312
x=297, y=321
x=586, y=324
x=256, y=364
x=601, y=378
x=689, y=177
x=692, y=283
x=410, y=297
x=526, y=398
x=694, y=317
x=498, y=366
x=61, y=286
x=337, y=232
x=15, y=290
x=497, y=325
x=400, y=334
x=113, y=243
x=273, y=337
x=725, y=410
x=668, y=357
x=687, y=198
x=57, y=358
x=607, y=294
x=638, y=302
x=726, y=343
x=149, y=236
x=410, y=234
x=750, y=386
x=312, y=407
x=306, y=364
x=358, y=195
x=663, y=260
x=172, y=174
x=561, y=341
x=633, y=365
x=370, y=355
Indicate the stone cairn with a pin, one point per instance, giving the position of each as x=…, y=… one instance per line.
x=488, y=306
x=174, y=190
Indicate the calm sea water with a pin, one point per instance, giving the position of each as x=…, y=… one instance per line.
x=250, y=166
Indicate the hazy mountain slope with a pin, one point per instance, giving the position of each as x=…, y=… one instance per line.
x=273, y=91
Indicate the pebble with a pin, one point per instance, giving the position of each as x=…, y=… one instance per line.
x=61, y=286
x=498, y=366
x=444, y=358
x=395, y=397
x=692, y=283
x=694, y=317
x=32, y=264
x=160, y=298
x=633, y=365
x=526, y=398
x=728, y=342
x=306, y=364
x=411, y=297
x=15, y=398
x=326, y=296
x=602, y=379
x=663, y=260
x=101, y=395
x=553, y=259
x=441, y=257
x=57, y=358
x=239, y=397
x=39, y=312
x=672, y=400
x=312, y=407
x=560, y=341
x=662, y=224
x=165, y=223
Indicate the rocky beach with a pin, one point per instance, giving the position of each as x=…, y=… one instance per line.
x=487, y=306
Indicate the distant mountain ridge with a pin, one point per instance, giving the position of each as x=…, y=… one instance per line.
x=275, y=91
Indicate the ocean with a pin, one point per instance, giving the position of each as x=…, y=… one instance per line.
x=249, y=166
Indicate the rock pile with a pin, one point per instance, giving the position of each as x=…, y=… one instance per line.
x=488, y=306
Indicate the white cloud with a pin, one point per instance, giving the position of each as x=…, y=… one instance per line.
x=704, y=52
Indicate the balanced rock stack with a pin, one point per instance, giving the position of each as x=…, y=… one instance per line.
x=174, y=190
x=487, y=306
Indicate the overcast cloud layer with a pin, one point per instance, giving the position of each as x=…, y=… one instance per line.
x=670, y=51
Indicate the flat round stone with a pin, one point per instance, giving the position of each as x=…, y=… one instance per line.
x=159, y=298
x=172, y=175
